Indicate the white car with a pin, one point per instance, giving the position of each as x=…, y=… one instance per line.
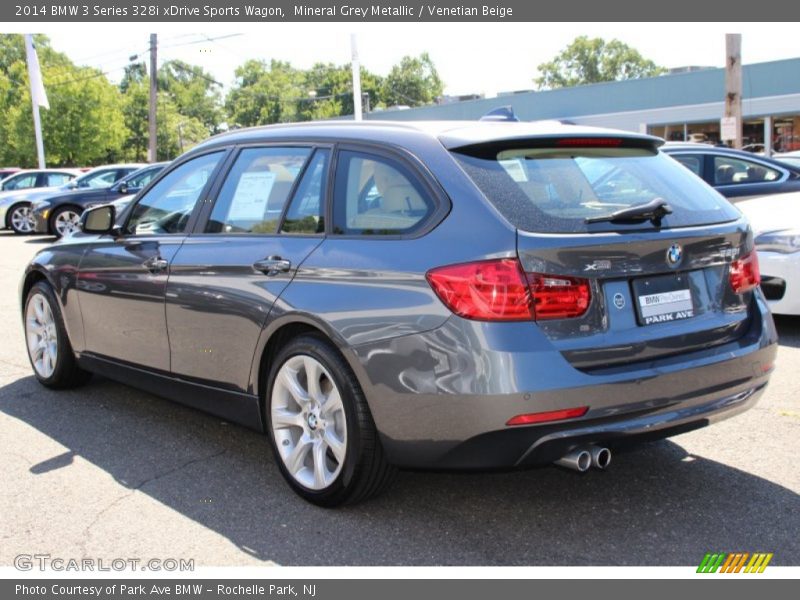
x=775, y=221
x=790, y=158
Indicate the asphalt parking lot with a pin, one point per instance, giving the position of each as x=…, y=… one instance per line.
x=107, y=471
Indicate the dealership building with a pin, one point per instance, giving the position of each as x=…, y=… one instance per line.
x=678, y=106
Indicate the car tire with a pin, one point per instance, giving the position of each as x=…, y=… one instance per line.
x=19, y=219
x=64, y=221
x=49, y=350
x=328, y=450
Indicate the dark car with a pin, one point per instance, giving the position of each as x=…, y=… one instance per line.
x=453, y=295
x=15, y=206
x=735, y=174
x=60, y=213
x=6, y=171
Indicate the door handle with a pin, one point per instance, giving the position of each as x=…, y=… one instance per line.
x=156, y=264
x=272, y=265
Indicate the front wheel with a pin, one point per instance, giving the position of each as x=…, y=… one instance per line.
x=20, y=219
x=65, y=221
x=320, y=427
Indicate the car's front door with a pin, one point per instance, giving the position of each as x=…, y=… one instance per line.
x=267, y=218
x=122, y=280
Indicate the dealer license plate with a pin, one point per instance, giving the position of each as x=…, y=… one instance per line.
x=663, y=299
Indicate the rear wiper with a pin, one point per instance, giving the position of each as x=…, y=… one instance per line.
x=653, y=211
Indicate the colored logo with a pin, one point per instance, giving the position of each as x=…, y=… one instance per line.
x=736, y=562
x=674, y=255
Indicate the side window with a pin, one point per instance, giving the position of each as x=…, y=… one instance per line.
x=306, y=211
x=374, y=195
x=731, y=171
x=22, y=182
x=256, y=189
x=167, y=206
x=693, y=162
x=57, y=178
x=138, y=182
x=103, y=179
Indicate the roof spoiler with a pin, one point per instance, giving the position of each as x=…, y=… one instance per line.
x=501, y=113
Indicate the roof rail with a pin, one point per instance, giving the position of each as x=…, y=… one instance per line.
x=501, y=113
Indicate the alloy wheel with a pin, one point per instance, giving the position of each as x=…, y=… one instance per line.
x=66, y=222
x=308, y=422
x=41, y=335
x=22, y=219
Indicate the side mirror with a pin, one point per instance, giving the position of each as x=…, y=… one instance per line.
x=122, y=188
x=99, y=220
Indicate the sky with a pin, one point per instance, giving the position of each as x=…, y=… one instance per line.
x=470, y=57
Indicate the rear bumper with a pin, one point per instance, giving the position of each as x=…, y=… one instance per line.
x=441, y=399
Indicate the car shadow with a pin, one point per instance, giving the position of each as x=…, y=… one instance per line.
x=788, y=330
x=42, y=239
x=657, y=505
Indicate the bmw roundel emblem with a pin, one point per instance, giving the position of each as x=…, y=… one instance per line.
x=674, y=255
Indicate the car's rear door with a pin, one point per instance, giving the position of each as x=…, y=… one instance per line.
x=122, y=280
x=266, y=219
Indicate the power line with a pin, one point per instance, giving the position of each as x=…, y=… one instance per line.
x=207, y=39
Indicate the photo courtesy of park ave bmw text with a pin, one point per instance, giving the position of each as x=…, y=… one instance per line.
x=325, y=299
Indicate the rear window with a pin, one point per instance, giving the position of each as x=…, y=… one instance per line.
x=555, y=189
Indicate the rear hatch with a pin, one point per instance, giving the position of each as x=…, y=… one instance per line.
x=629, y=257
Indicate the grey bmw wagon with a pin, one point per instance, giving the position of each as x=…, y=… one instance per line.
x=380, y=295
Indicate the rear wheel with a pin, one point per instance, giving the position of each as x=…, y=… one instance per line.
x=320, y=427
x=65, y=221
x=49, y=350
x=20, y=219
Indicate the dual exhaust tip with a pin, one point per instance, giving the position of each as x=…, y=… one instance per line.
x=581, y=459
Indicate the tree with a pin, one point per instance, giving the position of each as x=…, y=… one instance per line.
x=413, y=82
x=135, y=73
x=84, y=125
x=265, y=93
x=135, y=108
x=196, y=94
x=594, y=60
x=176, y=132
x=330, y=89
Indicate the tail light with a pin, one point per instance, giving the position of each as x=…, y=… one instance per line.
x=744, y=274
x=557, y=297
x=499, y=290
x=492, y=290
x=590, y=142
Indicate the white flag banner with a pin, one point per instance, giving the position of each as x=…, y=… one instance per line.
x=35, y=74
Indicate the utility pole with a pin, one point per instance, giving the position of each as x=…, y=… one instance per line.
x=151, y=152
x=356, y=79
x=731, y=126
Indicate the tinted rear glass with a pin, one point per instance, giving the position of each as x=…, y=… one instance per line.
x=552, y=189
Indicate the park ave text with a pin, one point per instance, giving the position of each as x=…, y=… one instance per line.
x=297, y=11
x=167, y=589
